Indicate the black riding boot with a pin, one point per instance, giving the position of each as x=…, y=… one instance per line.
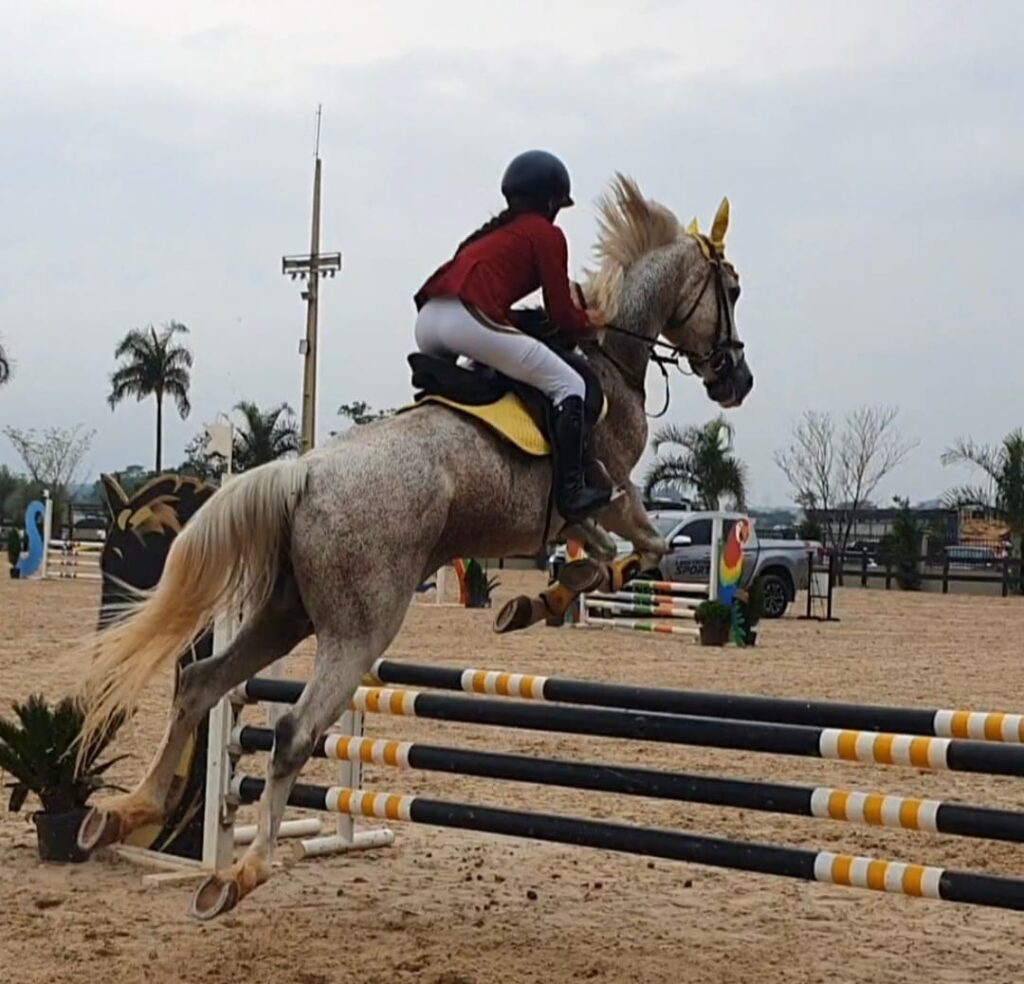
x=574, y=498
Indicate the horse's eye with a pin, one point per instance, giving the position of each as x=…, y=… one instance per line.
x=734, y=293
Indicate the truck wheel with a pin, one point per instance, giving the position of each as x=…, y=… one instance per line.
x=775, y=592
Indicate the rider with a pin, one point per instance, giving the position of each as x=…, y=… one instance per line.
x=464, y=310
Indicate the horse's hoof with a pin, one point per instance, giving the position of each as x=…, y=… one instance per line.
x=99, y=828
x=515, y=615
x=214, y=897
x=582, y=575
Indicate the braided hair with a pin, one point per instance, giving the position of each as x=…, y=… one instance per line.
x=516, y=206
x=504, y=217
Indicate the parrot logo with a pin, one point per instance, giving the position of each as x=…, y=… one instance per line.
x=730, y=564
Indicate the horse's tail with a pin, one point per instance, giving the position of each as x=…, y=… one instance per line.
x=229, y=552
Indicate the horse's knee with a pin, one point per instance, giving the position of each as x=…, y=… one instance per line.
x=291, y=747
x=190, y=687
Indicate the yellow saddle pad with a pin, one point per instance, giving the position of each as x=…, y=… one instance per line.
x=506, y=417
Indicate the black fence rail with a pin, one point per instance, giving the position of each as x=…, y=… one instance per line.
x=909, y=573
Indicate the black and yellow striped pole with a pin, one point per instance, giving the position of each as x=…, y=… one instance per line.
x=939, y=723
x=818, y=866
x=879, y=748
x=821, y=802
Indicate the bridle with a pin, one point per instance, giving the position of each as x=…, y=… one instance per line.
x=719, y=357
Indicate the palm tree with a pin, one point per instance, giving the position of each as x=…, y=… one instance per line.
x=1003, y=495
x=5, y=367
x=153, y=366
x=265, y=435
x=706, y=464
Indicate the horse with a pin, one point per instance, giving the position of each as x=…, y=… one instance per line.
x=334, y=543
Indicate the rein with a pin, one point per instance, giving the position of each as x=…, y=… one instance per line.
x=635, y=381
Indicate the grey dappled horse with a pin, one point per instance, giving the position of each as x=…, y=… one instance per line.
x=336, y=542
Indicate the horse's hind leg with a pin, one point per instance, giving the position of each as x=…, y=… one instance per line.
x=339, y=667
x=267, y=636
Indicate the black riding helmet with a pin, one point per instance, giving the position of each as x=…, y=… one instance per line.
x=539, y=176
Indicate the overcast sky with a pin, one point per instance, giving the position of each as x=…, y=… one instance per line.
x=156, y=162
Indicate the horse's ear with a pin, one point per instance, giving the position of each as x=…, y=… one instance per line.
x=720, y=226
x=115, y=495
x=693, y=229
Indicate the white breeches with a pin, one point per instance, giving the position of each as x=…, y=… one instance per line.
x=445, y=327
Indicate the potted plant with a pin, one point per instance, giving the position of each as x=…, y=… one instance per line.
x=478, y=585
x=715, y=621
x=39, y=750
x=14, y=551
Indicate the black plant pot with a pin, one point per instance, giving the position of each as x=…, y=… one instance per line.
x=57, y=834
x=15, y=572
x=751, y=637
x=714, y=633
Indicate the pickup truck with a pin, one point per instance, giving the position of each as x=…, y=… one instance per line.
x=780, y=565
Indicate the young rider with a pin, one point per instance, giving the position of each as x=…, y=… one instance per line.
x=464, y=310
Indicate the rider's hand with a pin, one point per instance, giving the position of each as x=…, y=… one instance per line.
x=596, y=317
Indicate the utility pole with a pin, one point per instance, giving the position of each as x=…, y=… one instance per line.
x=310, y=268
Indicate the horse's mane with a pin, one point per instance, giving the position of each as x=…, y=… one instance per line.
x=629, y=226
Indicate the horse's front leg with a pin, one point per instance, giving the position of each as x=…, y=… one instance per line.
x=602, y=570
x=627, y=518
x=596, y=541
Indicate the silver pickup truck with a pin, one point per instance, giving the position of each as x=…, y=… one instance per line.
x=780, y=565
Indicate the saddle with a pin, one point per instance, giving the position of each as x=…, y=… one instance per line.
x=517, y=412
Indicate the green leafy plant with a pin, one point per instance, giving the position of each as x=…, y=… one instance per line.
x=13, y=546
x=478, y=585
x=712, y=612
x=901, y=547
x=154, y=365
x=5, y=367
x=705, y=465
x=810, y=528
x=39, y=750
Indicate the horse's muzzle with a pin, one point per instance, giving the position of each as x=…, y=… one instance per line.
x=730, y=387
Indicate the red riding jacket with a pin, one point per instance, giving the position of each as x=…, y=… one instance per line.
x=504, y=266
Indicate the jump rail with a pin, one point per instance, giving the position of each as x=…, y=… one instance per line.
x=873, y=809
x=976, y=725
x=817, y=866
x=779, y=739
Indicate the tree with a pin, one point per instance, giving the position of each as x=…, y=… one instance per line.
x=706, y=464
x=834, y=471
x=360, y=412
x=153, y=366
x=11, y=486
x=262, y=436
x=17, y=499
x=200, y=463
x=5, y=366
x=901, y=547
x=53, y=457
x=1003, y=495
x=265, y=435
x=130, y=478
x=809, y=528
